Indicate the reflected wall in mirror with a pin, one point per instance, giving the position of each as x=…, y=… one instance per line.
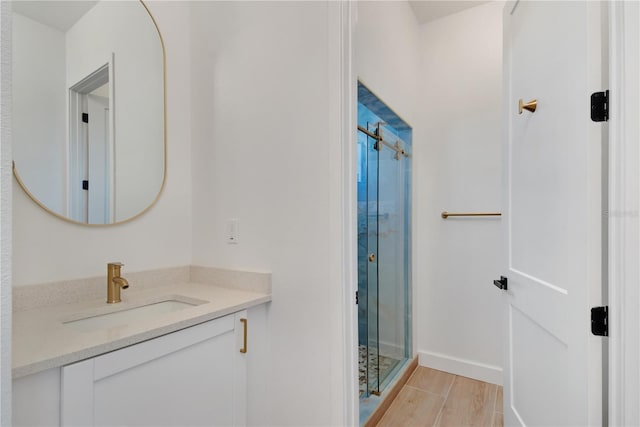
x=88, y=108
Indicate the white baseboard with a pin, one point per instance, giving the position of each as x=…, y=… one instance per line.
x=466, y=368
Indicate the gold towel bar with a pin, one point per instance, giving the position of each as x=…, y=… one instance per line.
x=446, y=215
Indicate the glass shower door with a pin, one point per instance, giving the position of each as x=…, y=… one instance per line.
x=393, y=241
x=372, y=288
x=383, y=258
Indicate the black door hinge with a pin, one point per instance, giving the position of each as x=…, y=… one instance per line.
x=600, y=106
x=85, y=117
x=600, y=321
x=502, y=283
x=356, y=297
x=85, y=184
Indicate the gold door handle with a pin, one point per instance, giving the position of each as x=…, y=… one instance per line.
x=244, y=345
x=372, y=257
x=529, y=106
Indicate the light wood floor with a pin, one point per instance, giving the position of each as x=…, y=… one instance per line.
x=436, y=398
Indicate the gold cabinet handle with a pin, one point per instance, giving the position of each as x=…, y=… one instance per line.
x=446, y=214
x=372, y=257
x=529, y=106
x=244, y=340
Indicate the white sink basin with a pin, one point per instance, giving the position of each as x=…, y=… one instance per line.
x=129, y=313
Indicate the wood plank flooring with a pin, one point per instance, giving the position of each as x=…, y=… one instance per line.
x=436, y=398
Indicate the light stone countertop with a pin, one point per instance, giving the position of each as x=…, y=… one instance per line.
x=41, y=341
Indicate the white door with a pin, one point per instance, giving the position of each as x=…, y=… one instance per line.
x=99, y=160
x=553, y=203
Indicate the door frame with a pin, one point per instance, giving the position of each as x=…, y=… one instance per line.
x=77, y=162
x=343, y=262
x=624, y=221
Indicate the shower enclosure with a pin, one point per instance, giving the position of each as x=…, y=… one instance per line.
x=384, y=231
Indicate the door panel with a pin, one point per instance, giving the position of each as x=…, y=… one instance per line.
x=99, y=156
x=553, y=195
x=548, y=36
x=536, y=350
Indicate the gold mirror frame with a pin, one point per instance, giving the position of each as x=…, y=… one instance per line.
x=164, y=126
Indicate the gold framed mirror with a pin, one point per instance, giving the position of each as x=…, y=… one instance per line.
x=89, y=108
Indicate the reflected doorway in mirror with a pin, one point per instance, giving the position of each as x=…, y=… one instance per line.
x=91, y=148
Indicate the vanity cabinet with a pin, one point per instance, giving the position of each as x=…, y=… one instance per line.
x=196, y=376
x=36, y=399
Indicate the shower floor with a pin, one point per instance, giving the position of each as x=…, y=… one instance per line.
x=386, y=365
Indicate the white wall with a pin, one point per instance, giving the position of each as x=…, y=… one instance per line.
x=47, y=249
x=125, y=30
x=40, y=110
x=5, y=213
x=261, y=154
x=386, y=55
x=459, y=310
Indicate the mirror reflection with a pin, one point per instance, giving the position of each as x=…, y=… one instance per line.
x=88, y=108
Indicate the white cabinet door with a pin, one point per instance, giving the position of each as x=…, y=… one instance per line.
x=196, y=376
x=36, y=400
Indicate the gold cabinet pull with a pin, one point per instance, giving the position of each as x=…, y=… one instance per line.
x=372, y=257
x=529, y=106
x=244, y=339
x=446, y=214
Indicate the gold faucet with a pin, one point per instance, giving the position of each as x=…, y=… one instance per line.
x=115, y=282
